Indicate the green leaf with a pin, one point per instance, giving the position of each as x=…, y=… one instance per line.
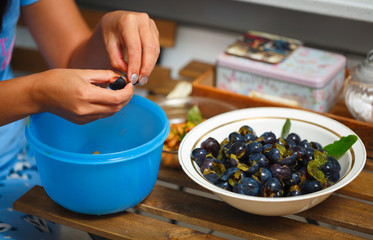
x=340, y=147
x=194, y=115
x=286, y=128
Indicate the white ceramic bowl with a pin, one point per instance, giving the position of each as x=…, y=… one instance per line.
x=308, y=125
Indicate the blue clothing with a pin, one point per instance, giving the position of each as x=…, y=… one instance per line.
x=11, y=135
x=18, y=172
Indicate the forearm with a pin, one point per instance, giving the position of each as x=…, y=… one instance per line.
x=91, y=54
x=16, y=101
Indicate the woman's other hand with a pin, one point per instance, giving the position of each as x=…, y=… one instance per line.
x=132, y=43
x=75, y=95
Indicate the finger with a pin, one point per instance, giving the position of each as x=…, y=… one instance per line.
x=87, y=118
x=132, y=42
x=151, y=49
x=116, y=54
x=109, y=97
x=99, y=76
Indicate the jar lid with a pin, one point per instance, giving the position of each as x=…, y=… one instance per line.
x=364, y=70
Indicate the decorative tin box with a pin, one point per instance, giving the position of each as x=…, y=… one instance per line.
x=308, y=78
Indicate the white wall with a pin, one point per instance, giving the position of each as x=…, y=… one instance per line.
x=341, y=33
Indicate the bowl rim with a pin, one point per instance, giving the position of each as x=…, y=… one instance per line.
x=104, y=158
x=189, y=167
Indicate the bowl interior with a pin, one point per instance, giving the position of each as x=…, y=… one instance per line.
x=310, y=126
x=138, y=123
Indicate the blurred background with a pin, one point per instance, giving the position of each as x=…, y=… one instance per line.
x=206, y=27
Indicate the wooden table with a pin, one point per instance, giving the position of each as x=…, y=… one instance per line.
x=347, y=214
x=350, y=208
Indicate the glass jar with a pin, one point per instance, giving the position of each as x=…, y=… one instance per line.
x=358, y=91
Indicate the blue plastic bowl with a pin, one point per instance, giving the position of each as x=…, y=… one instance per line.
x=119, y=177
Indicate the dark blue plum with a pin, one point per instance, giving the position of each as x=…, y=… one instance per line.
x=254, y=168
x=245, y=129
x=264, y=175
x=294, y=137
x=293, y=180
x=280, y=171
x=254, y=147
x=335, y=161
x=290, y=143
x=235, y=137
x=268, y=137
x=304, y=144
x=273, y=155
x=247, y=186
x=199, y=155
x=211, y=145
x=250, y=137
x=316, y=146
x=228, y=173
x=208, y=163
x=212, y=177
x=260, y=159
x=225, y=149
x=272, y=188
x=118, y=84
x=288, y=160
x=311, y=186
x=267, y=147
x=224, y=185
x=299, y=152
x=238, y=149
x=310, y=153
x=294, y=193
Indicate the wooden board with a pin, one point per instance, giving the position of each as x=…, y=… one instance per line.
x=125, y=225
x=204, y=212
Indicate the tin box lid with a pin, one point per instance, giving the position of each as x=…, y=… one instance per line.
x=305, y=66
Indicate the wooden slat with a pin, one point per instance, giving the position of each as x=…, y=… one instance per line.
x=160, y=81
x=124, y=225
x=343, y=212
x=194, y=69
x=369, y=163
x=341, y=109
x=217, y=215
x=178, y=177
x=208, y=213
x=360, y=188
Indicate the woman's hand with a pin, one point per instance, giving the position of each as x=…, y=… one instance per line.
x=125, y=41
x=74, y=95
x=134, y=36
